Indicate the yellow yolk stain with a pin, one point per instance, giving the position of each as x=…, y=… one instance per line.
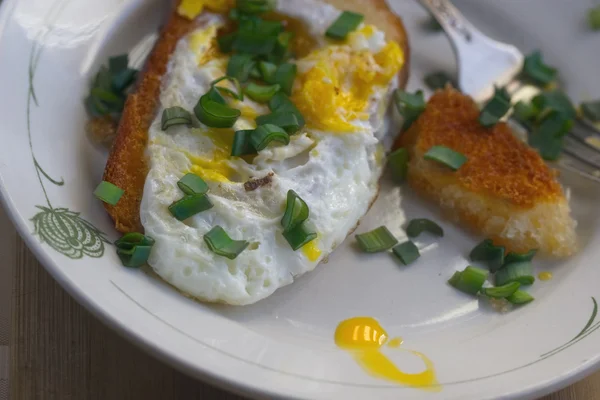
x=311, y=251
x=395, y=342
x=545, y=276
x=363, y=337
x=190, y=9
x=215, y=168
x=203, y=43
x=336, y=90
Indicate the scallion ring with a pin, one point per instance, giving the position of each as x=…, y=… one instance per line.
x=214, y=114
x=344, y=24
x=190, y=205
x=446, y=156
x=296, y=211
x=519, y=257
x=132, y=239
x=261, y=93
x=419, y=225
x=237, y=94
x=501, y=292
x=299, y=236
x=241, y=143
x=219, y=242
x=175, y=116
x=285, y=120
x=488, y=253
x=134, y=257
x=536, y=70
x=520, y=297
x=240, y=66
x=284, y=76
x=192, y=184
x=280, y=103
x=379, y=239
x=265, y=134
x=521, y=272
x=495, y=109
x=267, y=71
x=108, y=193
x=409, y=105
x=407, y=252
x=470, y=280
x=398, y=163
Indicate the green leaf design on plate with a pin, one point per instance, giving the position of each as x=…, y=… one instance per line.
x=66, y=232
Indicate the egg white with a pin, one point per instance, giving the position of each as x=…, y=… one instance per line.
x=336, y=174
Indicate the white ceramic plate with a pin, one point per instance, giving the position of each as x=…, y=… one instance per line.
x=283, y=346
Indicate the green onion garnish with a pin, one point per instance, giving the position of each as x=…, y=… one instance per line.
x=219, y=242
x=525, y=113
x=418, y=225
x=175, y=116
x=594, y=18
x=548, y=136
x=240, y=66
x=299, y=236
x=134, y=249
x=108, y=91
x=501, y=292
x=344, y=24
x=495, y=109
x=255, y=6
x=470, y=280
x=281, y=103
x=519, y=257
x=492, y=255
x=192, y=184
x=281, y=52
x=591, y=110
x=118, y=63
x=520, y=297
x=260, y=93
x=444, y=155
x=190, y=205
x=267, y=71
x=265, y=134
x=535, y=69
x=438, y=80
x=108, y=193
x=285, y=120
x=237, y=94
x=521, y=272
x=407, y=252
x=409, y=105
x=214, y=114
x=554, y=100
x=379, y=239
x=225, y=42
x=296, y=211
x=398, y=163
x=241, y=143
x=284, y=76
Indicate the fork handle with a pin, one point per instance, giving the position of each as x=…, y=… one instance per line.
x=452, y=20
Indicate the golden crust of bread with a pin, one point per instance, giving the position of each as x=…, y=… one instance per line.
x=504, y=191
x=498, y=163
x=127, y=167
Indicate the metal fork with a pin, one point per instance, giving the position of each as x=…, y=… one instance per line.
x=484, y=63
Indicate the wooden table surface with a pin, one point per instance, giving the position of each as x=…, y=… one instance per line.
x=58, y=350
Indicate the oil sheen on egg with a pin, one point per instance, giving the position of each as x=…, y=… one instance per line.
x=333, y=163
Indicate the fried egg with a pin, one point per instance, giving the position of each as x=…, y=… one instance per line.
x=343, y=90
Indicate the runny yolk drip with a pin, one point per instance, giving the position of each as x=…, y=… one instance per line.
x=395, y=342
x=545, y=276
x=311, y=251
x=336, y=90
x=363, y=337
x=216, y=168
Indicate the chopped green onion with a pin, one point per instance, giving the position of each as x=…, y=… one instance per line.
x=444, y=155
x=265, y=134
x=255, y=6
x=594, y=18
x=470, y=280
x=281, y=103
x=132, y=239
x=134, y=257
x=118, y=63
x=122, y=80
x=192, y=184
x=285, y=120
x=535, y=69
x=260, y=93
x=299, y=236
x=257, y=36
x=554, y=100
x=296, y=211
x=547, y=137
x=255, y=73
x=495, y=109
x=241, y=143
x=214, y=114
x=409, y=105
x=521, y=272
x=407, y=252
x=108, y=91
x=520, y=297
x=344, y=24
x=284, y=76
x=438, y=80
x=238, y=94
x=519, y=257
x=219, y=242
x=501, y=292
x=282, y=47
x=398, y=163
x=190, y=205
x=240, y=66
x=109, y=98
x=175, y=116
x=525, y=113
x=216, y=96
x=225, y=42
x=419, y=225
x=267, y=71
x=591, y=110
x=108, y=193
x=492, y=255
x=379, y=239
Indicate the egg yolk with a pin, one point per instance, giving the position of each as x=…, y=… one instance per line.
x=215, y=168
x=190, y=9
x=336, y=90
x=311, y=251
x=363, y=338
x=204, y=44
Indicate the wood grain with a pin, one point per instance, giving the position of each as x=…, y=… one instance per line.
x=59, y=351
